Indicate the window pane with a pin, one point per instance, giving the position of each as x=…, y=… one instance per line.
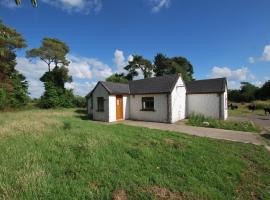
x=148, y=103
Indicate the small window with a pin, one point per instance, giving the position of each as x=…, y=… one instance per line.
x=100, y=104
x=148, y=103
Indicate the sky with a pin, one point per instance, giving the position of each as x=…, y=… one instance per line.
x=225, y=38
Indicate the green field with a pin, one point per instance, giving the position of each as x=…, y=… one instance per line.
x=58, y=154
x=243, y=111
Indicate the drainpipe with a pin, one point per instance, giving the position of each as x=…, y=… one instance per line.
x=168, y=108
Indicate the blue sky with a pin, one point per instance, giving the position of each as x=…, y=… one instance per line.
x=220, y=38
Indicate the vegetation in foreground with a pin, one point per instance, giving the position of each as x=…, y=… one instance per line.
x=202, y=121
x=58, y=154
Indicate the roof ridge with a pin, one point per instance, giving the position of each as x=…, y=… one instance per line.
x=154, y=77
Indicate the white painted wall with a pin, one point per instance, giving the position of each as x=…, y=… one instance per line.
x=100, y=91
x=224, y=104
x=126, y=106
x=206, y=104
x=112, y=108
x=178, y=102
x=160, y=105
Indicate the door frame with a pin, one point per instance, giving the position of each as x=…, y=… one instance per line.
x=122, y=114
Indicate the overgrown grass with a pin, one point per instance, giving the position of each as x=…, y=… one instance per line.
x=202, y=121
x=65, y=157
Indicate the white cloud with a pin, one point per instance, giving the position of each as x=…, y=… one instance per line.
x=88, y=68
x=234, y=76
x=85, y=6
x=266, y=53
x=120, y=61
x=264, y=57
x=251, y=60
x=81, y=88
x=85, y=72
x=159, y=4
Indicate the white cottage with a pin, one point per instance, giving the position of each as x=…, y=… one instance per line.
x=207, y=97
x=159, y=99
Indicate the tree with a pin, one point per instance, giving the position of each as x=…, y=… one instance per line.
x=33, y=2
x=13, y=86
x=264, y=92
x=139, y=63
x=117, y=78
x=53, y=52
x=175, y=65
x=248, y=91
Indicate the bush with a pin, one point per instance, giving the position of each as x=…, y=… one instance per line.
x=3, y=98
x=79, y=102
x=202, y=121
x=262, y=104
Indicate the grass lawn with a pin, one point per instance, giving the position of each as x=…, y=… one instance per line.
x=57, y=154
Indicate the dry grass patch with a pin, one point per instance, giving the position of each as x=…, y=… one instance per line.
x=162, y=193
x=28, y=122
x=119, y=195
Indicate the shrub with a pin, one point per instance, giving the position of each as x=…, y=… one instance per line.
x=202, y=121
x=262, y=104
x=3, y=98
x=79, y=102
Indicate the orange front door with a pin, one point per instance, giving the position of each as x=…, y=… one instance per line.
x=119, y=107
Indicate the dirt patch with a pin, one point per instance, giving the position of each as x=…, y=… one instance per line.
x=119, y=195
x=169, y=141
x=174, y=143
x=94, y=186
x=165, y=194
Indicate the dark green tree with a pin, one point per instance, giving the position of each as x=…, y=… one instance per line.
x=264, y=92
x=53, y=52
x=248, y=91
x=117, y=78
x=139, y=63
x=175, y=65
x=13, y=86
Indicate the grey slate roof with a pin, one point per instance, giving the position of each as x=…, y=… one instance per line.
x=161, y=84
x=164, y=84
x=116, y=88
x=217, y=85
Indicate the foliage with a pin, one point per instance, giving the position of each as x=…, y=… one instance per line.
x=13, y=85
x=79, y=102
x=117, y=78
x=64, y=157
x=264, y=92
x=247, y=93
x=202, y=121
x=3, y=98
x=55, y=96
x=139, y=63
x=175, y=65
x=53, y=52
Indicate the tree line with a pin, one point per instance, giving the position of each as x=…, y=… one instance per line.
x=249, y=92
x=161, y=65
x=13, y=84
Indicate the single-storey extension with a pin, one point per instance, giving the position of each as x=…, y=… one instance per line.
x=161, y=99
